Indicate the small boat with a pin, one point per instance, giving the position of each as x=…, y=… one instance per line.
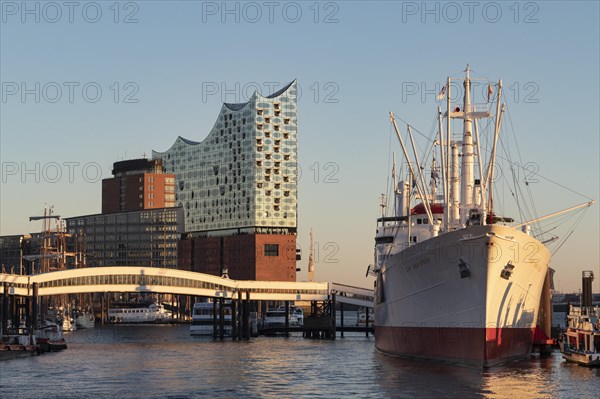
x=580, y=342
x=136, y=312
x=361, y=317
x=18, y=345
x=49, y=336
x=68, y=324
x=299, y=315
x=275, y=318
x=203, y=319
x=85, y=320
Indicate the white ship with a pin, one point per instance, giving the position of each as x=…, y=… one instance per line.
x=203, y=319
x=275, y=318
x=139, y=313
x=84, y=320
x=455, y=281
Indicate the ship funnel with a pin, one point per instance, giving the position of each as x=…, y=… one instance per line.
x=587, y=277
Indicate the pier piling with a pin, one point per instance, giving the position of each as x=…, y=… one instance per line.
x=34, y=307
x=215, y=318
x=367, y=322
x=5, y=308
x=342, y=319
x=233, y=320
x=287, y=317
x=247, y=316
x=221, y=318
x=332, y=313
x=241, y=316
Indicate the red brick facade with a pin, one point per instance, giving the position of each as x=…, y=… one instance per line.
x=137, y=192
x=266, y=257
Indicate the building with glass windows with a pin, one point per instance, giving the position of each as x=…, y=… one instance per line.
x=139, y=225
x=136, y=238
x=238, y=190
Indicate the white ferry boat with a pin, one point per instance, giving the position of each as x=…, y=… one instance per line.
x=138, y=313
x=275, y=318
x=203, y=319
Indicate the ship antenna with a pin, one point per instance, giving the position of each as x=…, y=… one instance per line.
x=395, y=189
x=382, y=204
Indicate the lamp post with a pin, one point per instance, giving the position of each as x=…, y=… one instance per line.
x=20, y=254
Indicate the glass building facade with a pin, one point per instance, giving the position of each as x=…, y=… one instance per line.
x=243, y=176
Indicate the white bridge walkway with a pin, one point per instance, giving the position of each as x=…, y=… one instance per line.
x=352, y=295
x=173, y=281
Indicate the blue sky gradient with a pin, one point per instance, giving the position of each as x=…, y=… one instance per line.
x=166, y=66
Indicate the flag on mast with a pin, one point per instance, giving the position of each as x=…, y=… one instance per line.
x=442, y=93
x=490, y=91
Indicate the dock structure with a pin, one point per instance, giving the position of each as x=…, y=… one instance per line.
x=347, y=294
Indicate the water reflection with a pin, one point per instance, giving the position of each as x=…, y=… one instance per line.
x=165, y=362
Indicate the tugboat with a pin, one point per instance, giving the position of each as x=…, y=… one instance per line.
x=580, y=343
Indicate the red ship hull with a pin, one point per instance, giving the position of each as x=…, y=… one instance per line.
x=497, y=345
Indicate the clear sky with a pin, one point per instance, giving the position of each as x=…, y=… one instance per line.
x=85, y=84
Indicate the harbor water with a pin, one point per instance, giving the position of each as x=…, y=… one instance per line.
x=164, y=361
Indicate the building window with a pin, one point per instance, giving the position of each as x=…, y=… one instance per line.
x=271, y=249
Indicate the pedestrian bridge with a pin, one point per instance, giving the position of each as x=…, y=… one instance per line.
x=352, y=295
x=164, y=281
x=158, y=280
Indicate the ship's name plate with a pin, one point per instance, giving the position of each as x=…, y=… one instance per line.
x=418, y=264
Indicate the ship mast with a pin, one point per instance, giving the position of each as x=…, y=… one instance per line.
x=463, y=194
x=468, y=164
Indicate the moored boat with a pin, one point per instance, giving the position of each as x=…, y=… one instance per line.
x=203, y=319
x=134, y=312
x=455, y=280
x=362, y=318
x=580, y=342
x=85, y=320
x=49, y=336
x=275, y=318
